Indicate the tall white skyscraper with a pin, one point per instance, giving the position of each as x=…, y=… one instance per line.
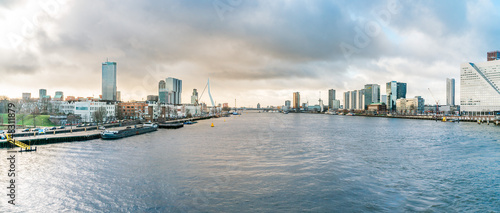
x=450, y=91
x=331, y=97
x=109, y=81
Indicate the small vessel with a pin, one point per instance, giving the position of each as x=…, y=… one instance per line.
x=285, y=112
x=190, y=122
x=108, y=135
x=171, y=125
x=235, y=113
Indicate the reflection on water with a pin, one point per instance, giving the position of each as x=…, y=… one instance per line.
x=269, y=162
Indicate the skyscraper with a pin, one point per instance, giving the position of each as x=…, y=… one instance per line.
x=162, y=92
x=353, y=97
x=109, y=81
x=288, y=103
x=118, y=96
x=59, y=96
x=450, y=91
x=395, y=90
x=346, y=100
x=361, y=99
x=174, y=88
x=296, y=101
x=194, y=97
x=372, y=94
x=331, y=97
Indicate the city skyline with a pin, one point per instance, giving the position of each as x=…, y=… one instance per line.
x=247, y=58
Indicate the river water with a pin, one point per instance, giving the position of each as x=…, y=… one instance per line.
x=268, y=162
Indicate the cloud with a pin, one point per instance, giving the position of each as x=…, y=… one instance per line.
x=258, y=46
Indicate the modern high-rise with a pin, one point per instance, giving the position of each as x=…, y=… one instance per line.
x=347, y=103
x=372, y=94
x=479, y=87
x=288, y=103
x=361, y=99
x=258, y=105
x=109, y=81
x=450, y=91
x=42, y=93
x=174, y=88
x=162, y=92
x=395, y=90
x=353, y=98
x=59, y=96
x=331, y=97
x=296, y=101
x=194, y=97
x=383, y=99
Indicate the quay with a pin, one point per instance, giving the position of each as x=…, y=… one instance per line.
x=77, y=134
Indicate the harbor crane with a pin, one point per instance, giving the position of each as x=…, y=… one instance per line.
x=437, y=101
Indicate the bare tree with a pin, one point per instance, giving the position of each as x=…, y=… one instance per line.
x=34, y=114
x=188, y=113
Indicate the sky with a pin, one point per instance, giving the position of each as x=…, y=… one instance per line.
x=252, y=51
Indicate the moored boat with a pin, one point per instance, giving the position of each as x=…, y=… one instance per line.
x=107, y=135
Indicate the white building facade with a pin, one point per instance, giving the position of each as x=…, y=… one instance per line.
x=479, y=90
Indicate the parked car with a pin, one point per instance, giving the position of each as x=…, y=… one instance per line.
x=80, y=125
x=102, y=128
x=53, y=128
x=35, y=129
x=26, y=130
x=61, y=127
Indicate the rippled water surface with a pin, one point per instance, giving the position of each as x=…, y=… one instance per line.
x=268, y=162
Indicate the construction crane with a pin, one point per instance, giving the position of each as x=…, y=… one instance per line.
x=437, y=101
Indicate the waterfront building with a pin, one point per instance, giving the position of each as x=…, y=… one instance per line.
x=174, y=88
x=296, y=100
x=361, y=99
x=479, y=90
x=395, y=90
x=353, y=97
x=383, y=99
x=305, y=106
x=450, y=91
x=109, y=81
x=372, y=94
x=410, y=105
x=133, y=110
x=346, y=100
x=87, y=109
x=258, y=105
x=225, y=105
x=335, y=105
x=194, y=97
x=288, y=104
x=331, y=98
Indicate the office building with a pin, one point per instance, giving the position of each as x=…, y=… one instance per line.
x=372, y=94
x=109, y=81
x=410, y=105
x=288, y=104
x=335, y=105
x=395, y=90
x=258, y=105
x=331, y=98
x=174, y=88
x=450, y=91
x=479, y=90
x=194, y=97
x=296, y=100
x=347, y=103
x=152, y=98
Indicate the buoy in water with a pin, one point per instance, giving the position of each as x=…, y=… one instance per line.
x=224, y=120
x=212, y=125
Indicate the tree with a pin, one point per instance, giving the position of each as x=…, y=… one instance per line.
x=118, y=113
x=35, y=113
x=100, y=114
x=188, y=113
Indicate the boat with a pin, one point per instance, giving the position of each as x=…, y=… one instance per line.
x=190, y=122
x=235, y=113
x=171, y=125
x=285, y=112
x=109, y=135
